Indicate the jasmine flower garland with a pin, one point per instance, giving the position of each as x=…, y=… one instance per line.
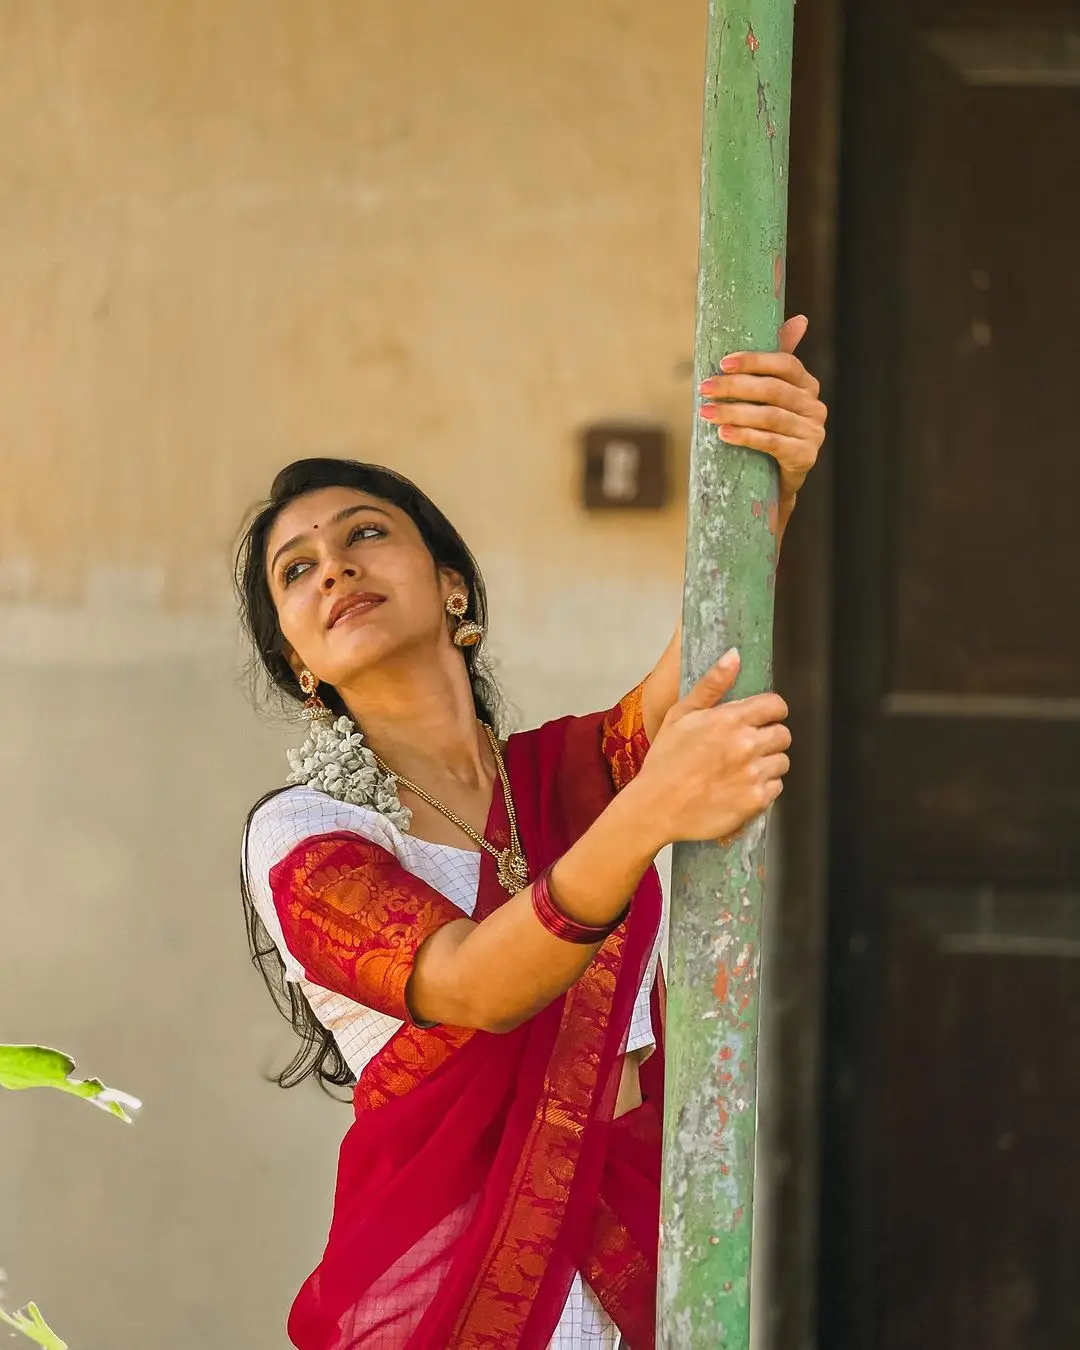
x=335, y=760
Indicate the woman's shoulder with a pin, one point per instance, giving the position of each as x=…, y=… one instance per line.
x=283, y=821
x=615, y=735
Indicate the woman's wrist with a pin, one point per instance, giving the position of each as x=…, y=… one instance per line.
x=643, y=816
x=594, y=879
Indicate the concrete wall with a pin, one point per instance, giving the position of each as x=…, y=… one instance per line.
x=438, y=235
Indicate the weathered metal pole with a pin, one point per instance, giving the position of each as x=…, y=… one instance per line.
x=712, y=1008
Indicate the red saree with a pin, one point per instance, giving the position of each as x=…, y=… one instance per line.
x=481, y=1171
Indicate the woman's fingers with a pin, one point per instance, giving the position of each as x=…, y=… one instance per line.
x=759, y=710
x=761, y=417
x=769, y=403
x=790, y=453
x=766, y=389
x=773, y=739
x=773, y=766
x=766, y=794
x=792, y=332
x=714, y=685
x=783, y=365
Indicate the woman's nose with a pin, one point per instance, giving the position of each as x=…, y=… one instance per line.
x=335, y=570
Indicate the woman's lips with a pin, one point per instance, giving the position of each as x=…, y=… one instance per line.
x=353, y=605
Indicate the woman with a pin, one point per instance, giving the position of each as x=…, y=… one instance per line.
x=468, y=929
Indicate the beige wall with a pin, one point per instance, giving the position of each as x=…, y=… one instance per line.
x=442, y=235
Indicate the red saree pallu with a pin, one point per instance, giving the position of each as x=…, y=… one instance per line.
x=481, y=1170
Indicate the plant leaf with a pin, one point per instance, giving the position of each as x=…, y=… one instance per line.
x=32, y=1325
x=34, y=1066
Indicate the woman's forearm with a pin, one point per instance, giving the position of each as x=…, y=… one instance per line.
x=660, y=690
x=496, y=974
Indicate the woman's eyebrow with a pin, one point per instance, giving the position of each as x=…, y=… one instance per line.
x=343, y=514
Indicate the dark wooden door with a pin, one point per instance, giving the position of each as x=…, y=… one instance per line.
x=951, y=1215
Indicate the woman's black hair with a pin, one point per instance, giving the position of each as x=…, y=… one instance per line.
x=319, y=1054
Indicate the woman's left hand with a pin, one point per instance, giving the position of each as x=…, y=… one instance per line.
x=768, y=401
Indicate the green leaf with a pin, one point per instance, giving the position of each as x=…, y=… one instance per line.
x=32, y=1325
x=34, y=1066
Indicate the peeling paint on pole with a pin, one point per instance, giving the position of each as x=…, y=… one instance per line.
x=712, y=1010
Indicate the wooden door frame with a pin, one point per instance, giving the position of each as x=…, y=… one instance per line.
x=851, y=1251
x=792, y=1039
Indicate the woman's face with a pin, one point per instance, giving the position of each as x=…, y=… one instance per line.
x=353, y=583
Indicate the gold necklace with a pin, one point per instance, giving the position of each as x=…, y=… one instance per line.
x=512, y=863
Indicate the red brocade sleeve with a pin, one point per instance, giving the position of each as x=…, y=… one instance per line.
x=624, y=739
x=355, y=918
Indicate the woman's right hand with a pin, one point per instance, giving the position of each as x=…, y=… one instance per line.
x=714, y=766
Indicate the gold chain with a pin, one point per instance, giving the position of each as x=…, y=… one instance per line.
x=513, y=866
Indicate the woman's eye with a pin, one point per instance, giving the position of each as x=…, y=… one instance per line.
x=293, y=571
x=365, y=532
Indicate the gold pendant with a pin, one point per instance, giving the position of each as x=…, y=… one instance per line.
x=513, y=871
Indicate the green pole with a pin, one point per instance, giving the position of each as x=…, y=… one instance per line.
x=712, y=1008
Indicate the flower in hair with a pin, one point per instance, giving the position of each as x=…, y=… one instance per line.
x=335, y=760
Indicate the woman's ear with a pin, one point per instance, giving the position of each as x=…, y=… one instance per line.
x=450, y=581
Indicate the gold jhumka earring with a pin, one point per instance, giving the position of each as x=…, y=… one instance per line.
x=467, y=633
x=315, y=710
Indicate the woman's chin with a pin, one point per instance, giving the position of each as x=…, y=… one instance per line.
x=360, y=649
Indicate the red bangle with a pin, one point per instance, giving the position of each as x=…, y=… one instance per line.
x=559, y=925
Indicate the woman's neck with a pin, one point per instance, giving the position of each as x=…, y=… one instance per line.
x=421, y=722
